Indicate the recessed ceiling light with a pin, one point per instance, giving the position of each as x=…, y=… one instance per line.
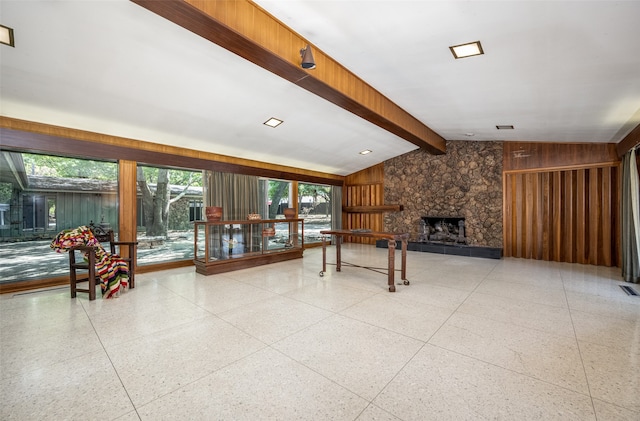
x=273, y=122
x=366, y=151
x=6, y=36
x=504, y=127
x=467, y=50
x=469, y=134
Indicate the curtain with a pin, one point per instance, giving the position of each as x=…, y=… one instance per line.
x=630, y=209
x=336, y=208
x=237, y=194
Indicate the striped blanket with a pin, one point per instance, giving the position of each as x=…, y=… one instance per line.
x=110, y=268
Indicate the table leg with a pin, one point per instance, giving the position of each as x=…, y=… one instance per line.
x=391, y=266
x=338, y=253
x=404, y=260
x=324, y=255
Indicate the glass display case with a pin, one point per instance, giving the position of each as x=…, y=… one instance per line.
x=223, y=246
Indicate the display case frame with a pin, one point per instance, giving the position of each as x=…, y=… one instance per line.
x=224, y=246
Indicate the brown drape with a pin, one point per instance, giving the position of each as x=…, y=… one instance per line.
x=237, y=194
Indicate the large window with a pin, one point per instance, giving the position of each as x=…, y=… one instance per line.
x=276, y=194
x=169, y=200
x=41, y=195
x=314, y=205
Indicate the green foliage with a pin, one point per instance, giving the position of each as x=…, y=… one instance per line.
x=55, y=166
x=315, y=191
x=176, y=177
x=5, y=192
x=278, y=191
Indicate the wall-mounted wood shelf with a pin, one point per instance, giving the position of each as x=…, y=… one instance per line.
x=372, y=209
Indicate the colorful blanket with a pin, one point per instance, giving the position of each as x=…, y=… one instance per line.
x=110, y=268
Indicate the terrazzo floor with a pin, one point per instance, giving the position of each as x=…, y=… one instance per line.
x=469, y=339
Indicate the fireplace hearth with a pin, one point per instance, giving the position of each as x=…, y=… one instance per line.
x=442, y=230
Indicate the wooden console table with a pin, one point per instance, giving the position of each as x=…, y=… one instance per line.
x=392, y=239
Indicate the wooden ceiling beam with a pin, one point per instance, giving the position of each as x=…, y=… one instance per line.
x=629, y=141
x=247, y=30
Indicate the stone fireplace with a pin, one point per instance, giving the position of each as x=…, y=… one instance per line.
x=466, y=182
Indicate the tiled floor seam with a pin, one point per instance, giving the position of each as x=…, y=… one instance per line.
x=423, y=345
x=106, y=353
x=584, y=369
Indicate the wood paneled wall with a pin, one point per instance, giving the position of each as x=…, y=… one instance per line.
x=565, y=215
x=540, y=155
x=364, y=188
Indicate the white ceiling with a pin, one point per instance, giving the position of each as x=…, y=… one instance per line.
x=559, y=71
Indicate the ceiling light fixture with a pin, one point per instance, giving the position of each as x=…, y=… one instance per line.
x=504, y=127
x=366, y=151
x=273, y=122
x=6, y=36
x=307, y=58
x=467, y=50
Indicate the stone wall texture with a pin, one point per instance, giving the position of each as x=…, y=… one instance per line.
x=464, y=182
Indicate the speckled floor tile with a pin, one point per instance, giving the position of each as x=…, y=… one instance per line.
x=129, y=416
x=374, y=279
x=547, y=357
x=31, y=350
x=532, y=292
x=551, y=319
x=356, y=355
x=620, y=307
x=218, y=293
x=608, y=331
x=157, y=364
x=278, y=281
x=264, y=386
x=40, y=309
x=510, y=339
x=613, y=374
x=392, y=312
x=274, y=318
x=332, y=296
x=443, y=385
x=144, y=295
x=85, y=388
x=610, y=412
x=374, y=413
x=158, y=316
x=460, y=281
x=427, y=292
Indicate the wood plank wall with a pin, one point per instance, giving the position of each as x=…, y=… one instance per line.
x=566, y=214
x=364, y=188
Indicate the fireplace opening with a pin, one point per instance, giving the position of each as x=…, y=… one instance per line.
x=442, y=230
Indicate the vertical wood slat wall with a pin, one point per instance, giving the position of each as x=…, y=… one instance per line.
x=364, y=188
x=564, y=215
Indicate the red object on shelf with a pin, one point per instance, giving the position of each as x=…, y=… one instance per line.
x=214, y=213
